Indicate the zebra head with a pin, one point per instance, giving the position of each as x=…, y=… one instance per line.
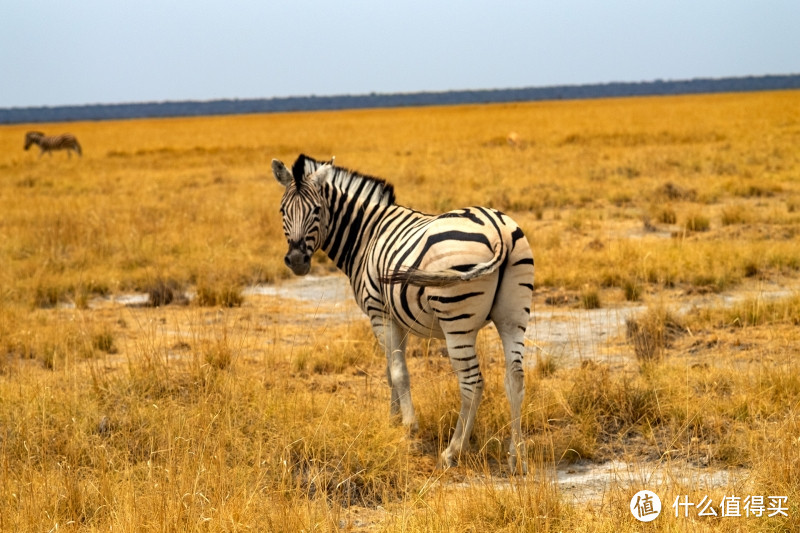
x=305, y=219
x=32, y=137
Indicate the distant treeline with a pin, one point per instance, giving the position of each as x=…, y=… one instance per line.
x=373, y=100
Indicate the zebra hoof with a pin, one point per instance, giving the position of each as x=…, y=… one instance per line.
x=446, y=460
x=412, y=427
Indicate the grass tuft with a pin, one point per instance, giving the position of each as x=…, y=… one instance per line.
x=223, y=294
x=697, y=222
x=163, y=292
x=104, y=341
x=671, y=191
x=652, y=333
x=633, y=290
x=590, y=298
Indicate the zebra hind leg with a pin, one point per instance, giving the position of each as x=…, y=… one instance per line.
x=513, y=337
x=461, y=349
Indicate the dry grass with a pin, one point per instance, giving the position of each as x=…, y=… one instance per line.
x=240, y=412
x=653, y=332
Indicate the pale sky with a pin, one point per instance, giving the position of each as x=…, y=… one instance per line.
x=56, y=52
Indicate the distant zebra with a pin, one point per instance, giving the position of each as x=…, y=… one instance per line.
x=444, y=276
x=66, y=141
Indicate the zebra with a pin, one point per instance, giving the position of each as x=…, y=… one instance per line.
x=443, y=276
x=65, y=141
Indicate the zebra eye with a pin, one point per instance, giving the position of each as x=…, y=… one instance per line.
x=317, y=210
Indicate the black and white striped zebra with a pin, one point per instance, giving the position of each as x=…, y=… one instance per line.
x=443, y=276
x=46, y=143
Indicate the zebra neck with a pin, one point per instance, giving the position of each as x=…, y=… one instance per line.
x=351, y=228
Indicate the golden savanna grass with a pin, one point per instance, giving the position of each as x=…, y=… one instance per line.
x=228, y=410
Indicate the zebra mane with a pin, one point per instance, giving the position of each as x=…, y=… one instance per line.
x=299, y=170
x=348, y=182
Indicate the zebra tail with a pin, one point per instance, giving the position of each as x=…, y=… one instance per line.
x=423, y=278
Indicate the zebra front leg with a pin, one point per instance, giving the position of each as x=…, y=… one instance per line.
x=461, y=349
x=393, y=339
x=394, y=406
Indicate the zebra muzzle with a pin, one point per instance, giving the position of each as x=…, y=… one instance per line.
x=298, y=260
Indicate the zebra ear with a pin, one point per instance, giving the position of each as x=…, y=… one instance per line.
x=321, y=175
x=282, y=173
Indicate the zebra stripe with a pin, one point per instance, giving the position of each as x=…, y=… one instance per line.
x=444, y=276
x=66, y=141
